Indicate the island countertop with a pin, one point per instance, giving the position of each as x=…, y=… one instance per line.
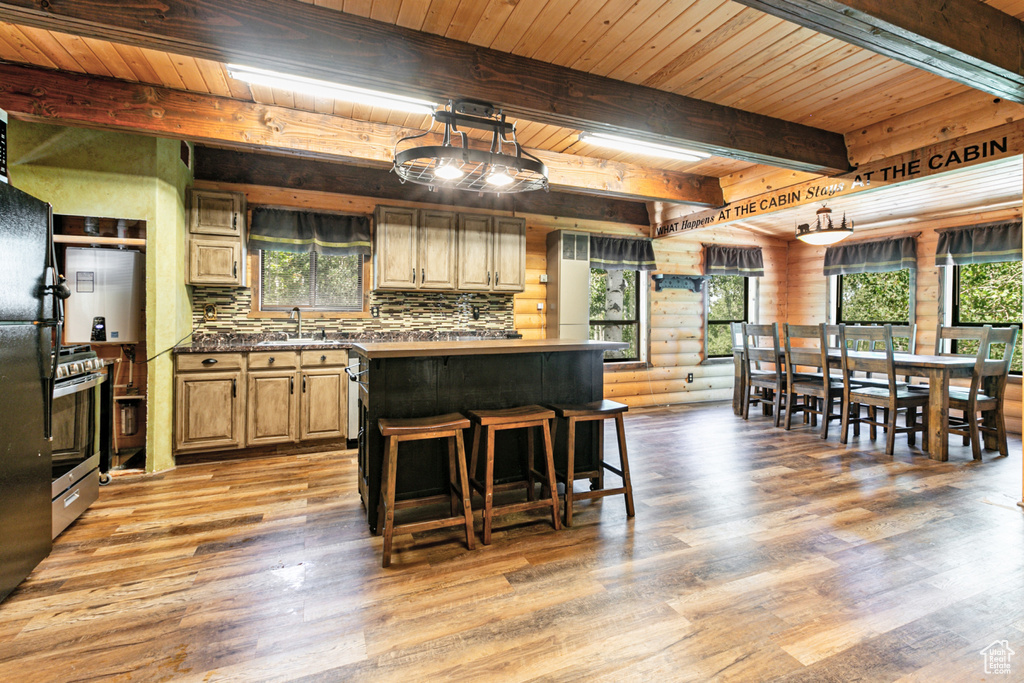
x=482, y=347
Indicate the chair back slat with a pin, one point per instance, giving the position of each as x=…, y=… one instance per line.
x=851, y=336
x=809, y=339
x=761, y=345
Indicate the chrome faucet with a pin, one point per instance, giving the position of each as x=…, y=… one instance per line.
x=297, y=313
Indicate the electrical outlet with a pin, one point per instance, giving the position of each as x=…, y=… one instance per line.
x=689, y=377
x=543, y=278
x=540, y=306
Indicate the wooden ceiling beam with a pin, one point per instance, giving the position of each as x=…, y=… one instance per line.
x=102, y=102
x=963, y=40
x=302, y=39
x=244, y=168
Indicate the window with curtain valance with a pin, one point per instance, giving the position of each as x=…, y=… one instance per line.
x=303, y=232
x=621, y=253
x=988, y=243
x=308, y=260
x=872, y=256
x=725, y=260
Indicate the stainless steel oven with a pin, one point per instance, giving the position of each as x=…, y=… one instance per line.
x=76, y=434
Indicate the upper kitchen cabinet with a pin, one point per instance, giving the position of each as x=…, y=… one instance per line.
x=414, y=249
x=216, y=240
x=492, y=254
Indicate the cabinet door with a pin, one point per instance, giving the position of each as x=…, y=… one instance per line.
x=273, y=408
x=324, y=403
x=394, y=252
x=208, y=411
x=214, y=261
x=474, y=262
x=437, y=250
x=509, y=254
x=216, y=213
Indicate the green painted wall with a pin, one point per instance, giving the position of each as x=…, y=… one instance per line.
x=99, y=173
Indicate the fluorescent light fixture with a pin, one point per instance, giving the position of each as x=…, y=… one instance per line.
x=639, y=147
x=317, y=88
x=499, y=176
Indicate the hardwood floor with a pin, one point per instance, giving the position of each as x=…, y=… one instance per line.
x=755, y=554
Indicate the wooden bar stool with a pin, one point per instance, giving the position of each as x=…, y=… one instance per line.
x=522, y=417
x=395, y=431
x=590, y=412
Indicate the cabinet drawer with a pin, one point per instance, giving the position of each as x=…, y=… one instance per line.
x=273, y=359
x=324, y=358
x=191, y=362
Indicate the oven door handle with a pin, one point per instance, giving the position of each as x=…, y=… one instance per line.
x=68, y=388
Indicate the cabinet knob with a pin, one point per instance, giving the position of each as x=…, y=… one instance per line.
x=270, y=361
x=323, y=359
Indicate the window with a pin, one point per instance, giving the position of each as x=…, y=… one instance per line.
x=874, y=298
x=987, y=294
x=310, y=281
x=727, y=297
x=615, y=311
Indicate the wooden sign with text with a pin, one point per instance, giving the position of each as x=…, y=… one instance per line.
x=968, y=150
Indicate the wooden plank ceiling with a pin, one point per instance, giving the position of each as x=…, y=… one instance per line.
x=713, y=50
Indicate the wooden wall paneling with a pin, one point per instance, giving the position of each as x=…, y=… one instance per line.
x=960, y=114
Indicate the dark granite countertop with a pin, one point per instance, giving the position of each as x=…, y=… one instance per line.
x=251, y=342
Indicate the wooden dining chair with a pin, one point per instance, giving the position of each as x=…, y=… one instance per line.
x=891, y=397
x=766, y=380
x=985, y=395
x=818, y=390
x=739, y=367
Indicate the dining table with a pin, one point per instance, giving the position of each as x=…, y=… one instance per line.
x=938, y=370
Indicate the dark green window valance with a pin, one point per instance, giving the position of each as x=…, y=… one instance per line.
x=620, y=253
x=988, y=243
x=872, y=256
x=302, y=232
x=722, y=260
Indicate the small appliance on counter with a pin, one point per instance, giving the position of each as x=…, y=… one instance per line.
x=106, y=295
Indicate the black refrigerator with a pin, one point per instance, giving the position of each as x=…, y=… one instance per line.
x=29, y=331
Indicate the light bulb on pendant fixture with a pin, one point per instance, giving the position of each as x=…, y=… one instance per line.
x=448, y=171
x=499, y=176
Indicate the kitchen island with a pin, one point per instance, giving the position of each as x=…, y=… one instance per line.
x=418, y=379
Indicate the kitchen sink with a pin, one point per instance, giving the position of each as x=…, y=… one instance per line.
x=299, y=342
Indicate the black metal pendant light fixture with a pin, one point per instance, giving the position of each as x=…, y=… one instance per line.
x=504, y=169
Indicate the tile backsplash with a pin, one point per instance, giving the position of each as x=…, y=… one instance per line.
x=399, y=312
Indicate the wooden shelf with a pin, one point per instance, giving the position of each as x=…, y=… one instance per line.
x=95, y=239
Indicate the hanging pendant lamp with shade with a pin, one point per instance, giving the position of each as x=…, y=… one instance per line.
x=824, y=231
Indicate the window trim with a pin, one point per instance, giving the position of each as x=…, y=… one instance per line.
x=747, y=309
x=954, y=313
x=642, y=320
x=837, y=309
x=253, y=262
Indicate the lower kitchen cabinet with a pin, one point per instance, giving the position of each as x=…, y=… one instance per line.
x=324, y=403
x=233, y=400
x=209, y=410
x=273, y=408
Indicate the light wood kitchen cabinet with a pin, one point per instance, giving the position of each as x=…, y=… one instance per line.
x=509, y=244
x=414, y=249
x=272, y=400
x=491, y=254
x=259, y=398
x=216, y=240
x=209, y=402
x=324, y=403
